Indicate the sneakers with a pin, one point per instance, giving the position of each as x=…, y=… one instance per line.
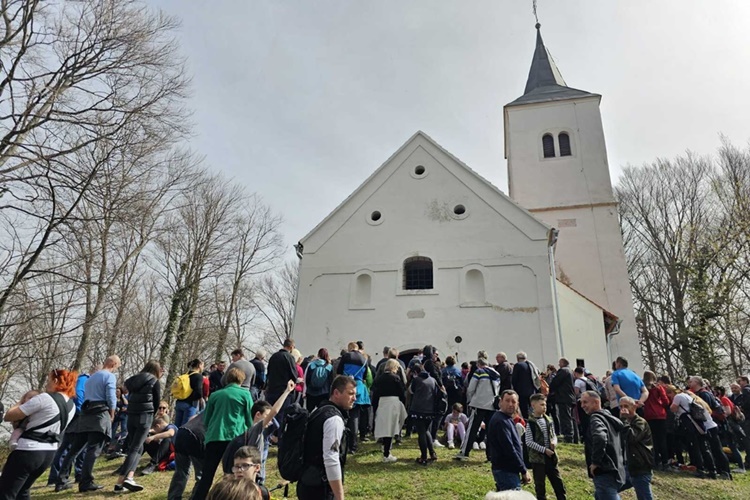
x=389, y=459
x=475, y=446
x=451, y=445
x=150, y=468
x=437, y=444
x=119, y=488
x=725, y=475
x=130, y=485
x=738, y=471
x=482, y=446
x=461, y=457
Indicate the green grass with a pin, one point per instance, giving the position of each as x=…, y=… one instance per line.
x=368, y=478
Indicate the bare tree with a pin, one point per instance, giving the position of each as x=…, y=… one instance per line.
x=685, y=231
x=257, y=246
x=195, y=247
x=79, y=81
x=276, y=302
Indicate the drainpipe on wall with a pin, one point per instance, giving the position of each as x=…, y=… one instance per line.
x=299, y=249
x=615, y=331
x=553, y=233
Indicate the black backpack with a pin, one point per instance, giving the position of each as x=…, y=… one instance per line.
x=291, y=455
x=452, y=386
x=697, y=412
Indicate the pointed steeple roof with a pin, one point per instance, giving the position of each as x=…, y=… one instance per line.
x=545, y=82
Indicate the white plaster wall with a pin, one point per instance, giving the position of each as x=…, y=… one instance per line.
x=591, y=255
x=495, y=235
x=537, y=182
x=582, y=331
x=511, y=320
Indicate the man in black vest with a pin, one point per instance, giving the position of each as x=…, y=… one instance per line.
x=325, y=450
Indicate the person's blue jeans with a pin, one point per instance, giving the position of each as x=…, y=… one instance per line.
x=642, y=486
x=120, y=423
x=605, y=487
x=62, y=451
x=183, y=411
x=506, y=480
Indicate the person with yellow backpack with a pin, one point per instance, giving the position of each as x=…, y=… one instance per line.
x=187, y=389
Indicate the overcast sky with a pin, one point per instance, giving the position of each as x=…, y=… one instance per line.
x=301, y=101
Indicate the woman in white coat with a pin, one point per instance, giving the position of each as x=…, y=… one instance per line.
x=388, y=400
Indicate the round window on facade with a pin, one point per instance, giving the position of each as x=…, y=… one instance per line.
x=460, y=212
x=419, y=172
x=375, y=218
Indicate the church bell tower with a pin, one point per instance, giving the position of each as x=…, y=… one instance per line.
x=558, y=170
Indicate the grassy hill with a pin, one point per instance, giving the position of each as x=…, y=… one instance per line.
x=368, y=478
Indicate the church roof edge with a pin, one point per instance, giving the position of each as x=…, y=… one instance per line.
x=418, y=133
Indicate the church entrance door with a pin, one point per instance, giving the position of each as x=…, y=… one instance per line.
x=407, y=355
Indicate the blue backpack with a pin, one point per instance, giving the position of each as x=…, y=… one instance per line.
x=319, y=376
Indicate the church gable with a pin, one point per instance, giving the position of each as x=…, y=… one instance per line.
x=419, y=192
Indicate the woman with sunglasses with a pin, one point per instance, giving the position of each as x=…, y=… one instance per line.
x=163, y=411
x=48, y=414
x=145, y=394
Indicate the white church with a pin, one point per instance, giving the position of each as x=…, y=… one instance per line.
x=426, y=251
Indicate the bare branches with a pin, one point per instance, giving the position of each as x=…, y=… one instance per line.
x=685, y=226
x=113, y=236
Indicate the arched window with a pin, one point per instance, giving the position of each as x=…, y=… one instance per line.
x=564, y=139
x=363, y=290
x=548, y=145
x=474, y=286
x=418, y=273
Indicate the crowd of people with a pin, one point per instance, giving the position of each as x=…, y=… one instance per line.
x=514, y=413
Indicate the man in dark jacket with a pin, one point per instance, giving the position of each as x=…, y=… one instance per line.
x=504, y=446
x=260, y=374
x=214, y=378
x=637, y=435
x=523, y=382
x=565, y=398
x=505, y=371
x=743, y=401
x=603, y=447
x=282, y=368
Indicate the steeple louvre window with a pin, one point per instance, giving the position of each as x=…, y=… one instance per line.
x=564, y=140
x=548, y=145
x=418, y=273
